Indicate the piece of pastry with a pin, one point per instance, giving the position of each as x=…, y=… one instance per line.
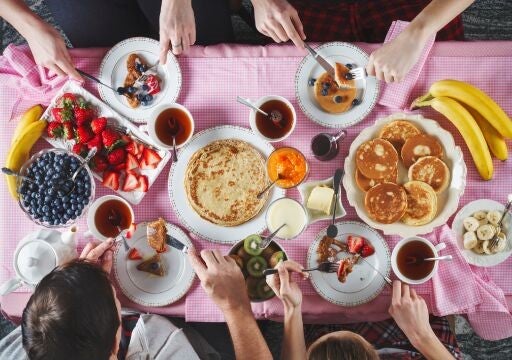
x=346, y=266
x=397, y=132
x=376, y=159
x=157, y=235
x=335, y=95
x=152, y=265
x=386, y=202
x=418, y=146
x=421, y=203
x=431, y=170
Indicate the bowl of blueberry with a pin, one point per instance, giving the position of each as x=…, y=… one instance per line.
x=48, y=195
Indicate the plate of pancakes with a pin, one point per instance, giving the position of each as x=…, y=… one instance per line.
x=335, y=101
x=214, y=185
x=363, y=283
x=404, y=175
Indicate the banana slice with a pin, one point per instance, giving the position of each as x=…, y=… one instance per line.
x=486, y=248
x=470, y=240
x=494, y=217
x=480, y=215
x=485, y=232
x=502, y=243
x=479, y=248
x=470, y=224
x=484, y=221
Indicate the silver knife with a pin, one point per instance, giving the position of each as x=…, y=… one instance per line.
x=320, y=60
x=386, y=279
x=175, y=243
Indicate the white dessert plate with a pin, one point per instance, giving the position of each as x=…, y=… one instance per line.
x=113, y=118
x=447, y=201
x=148, y=289
x=472, y=257
x=363, y=284
x=305, y=190
x=113, y=72
x=187, y=216
x=368, y=88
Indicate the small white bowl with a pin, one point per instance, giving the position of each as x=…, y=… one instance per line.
x=305, y=190
x=261, y=101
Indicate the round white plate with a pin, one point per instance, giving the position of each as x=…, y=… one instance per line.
x=447, y=201
x=368, y=88
x=363, y=283
x=113, y=72
x=481, y=259
x=147, y=289
x=187, y=216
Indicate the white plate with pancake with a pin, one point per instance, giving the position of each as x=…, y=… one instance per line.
x=472, y=257
x=447, y=201
x=187, y=215
x=364, y=283
x=148, y=289
x=367, y=89
x=113, y=72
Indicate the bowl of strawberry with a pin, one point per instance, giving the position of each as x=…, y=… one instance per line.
x=121, y=158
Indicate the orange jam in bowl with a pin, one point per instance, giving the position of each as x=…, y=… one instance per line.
x=290, y=164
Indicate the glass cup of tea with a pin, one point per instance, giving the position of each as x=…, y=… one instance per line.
x=108, y=216
x=325, y=147
x=168, y=121
x=279, y=123
x=407, y=259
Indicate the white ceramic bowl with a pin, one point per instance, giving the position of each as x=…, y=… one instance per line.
x=305, y=190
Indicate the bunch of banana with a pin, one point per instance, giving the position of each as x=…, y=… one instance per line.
x=27, y=132
x=482, y=123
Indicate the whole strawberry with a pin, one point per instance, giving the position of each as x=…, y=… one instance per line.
x=80, y=149
x=67, y=128
x=98, y=125
x=96, y=142
x=116, y=157
x=82, y=112
x=54, y=129
x=83, y=134
x=62, y=114
x=98, y=163
x=109, y=137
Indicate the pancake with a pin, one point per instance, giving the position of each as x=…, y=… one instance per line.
x=397, y=132
x=156, y=233
x=131, y=77
x=376, y=159
x=365, y=184
x=418, y=146
x=386, y=202
x=222, y=181
x=347, y=92
x=421, y=203
x=432, y=171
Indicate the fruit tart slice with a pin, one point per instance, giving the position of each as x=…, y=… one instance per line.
x=152, y=265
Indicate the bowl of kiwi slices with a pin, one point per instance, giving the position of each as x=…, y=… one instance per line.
x=253, y=260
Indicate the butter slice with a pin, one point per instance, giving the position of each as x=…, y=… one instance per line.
x=321, y=199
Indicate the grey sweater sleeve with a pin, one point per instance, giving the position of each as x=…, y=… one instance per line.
x=11, y=346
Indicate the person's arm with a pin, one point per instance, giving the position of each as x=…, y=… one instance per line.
x=411, y=314
x=294, y=347
x=224, y=283
x=395, y=59
x=177, y=27
x=45, y=42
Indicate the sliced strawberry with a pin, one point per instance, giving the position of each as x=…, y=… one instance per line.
x=119, y=167
x=109, y=137
x=83, y=134
x=111, y=180
x=68, y=130
x=367, y=250
x=116, y=157
x=144, y=166
x=54, y=129
x=355, y=243
x=62, y=114
x=141, y=148
x=98, y=163
x=95, y=142
x=131, y=162
x=98, y=125
x=126, y=139
x=143, y=184
x=132, y=148
x=131, y=230
x=341, y=270
x=151, y=157
x=80, y=149
x=134, y=254
x=130, y=182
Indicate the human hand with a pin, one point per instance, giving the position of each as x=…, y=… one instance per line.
x=284, y=287
x=279, y=20
x=393, y=60
x=221, y=279
x=100, y=252
x=177, y=27
x=410, y=313
x=50, y=51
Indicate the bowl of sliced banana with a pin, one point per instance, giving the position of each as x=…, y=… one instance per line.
x=476, y=225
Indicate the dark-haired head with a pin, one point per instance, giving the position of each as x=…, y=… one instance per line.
x=342, y=345
x=72, y=315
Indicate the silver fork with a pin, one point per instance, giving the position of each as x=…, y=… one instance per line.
x=358, y=73
x=494, y=240
x=127, y=131
x=386, y=279
x=327, y=267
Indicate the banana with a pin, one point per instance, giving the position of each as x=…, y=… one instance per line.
x=485, y=232
x=494, y=140
x=486, y=248
x=469, y=130
x=494, y=217
x=480, y=215
x=502, y=243
x=31, y=115
x=472, y=96
x=470, y=240
x=470, y=224
x=20, y=150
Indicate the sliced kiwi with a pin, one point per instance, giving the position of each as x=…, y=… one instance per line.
x=239, y=261
x=263, y=290
x=251, y=244
x=267, y=252
x=256, y=265
x=252, y=287
x=275, y=258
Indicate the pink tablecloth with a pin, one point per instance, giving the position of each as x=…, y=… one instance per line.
x=212, y=77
